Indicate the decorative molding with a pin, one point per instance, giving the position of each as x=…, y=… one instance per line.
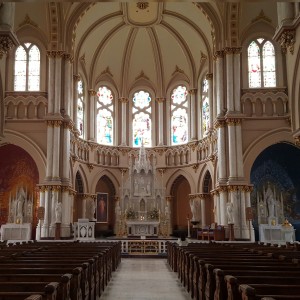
x=160, y=100
x=28, y=21
x=195, y=167
x=193, y=91
x=160, y=151
x=82, y=59
x=177, y=70
x=123, y=100
x=193, y=145
x=92, y=92
x=123, y=171
x=55, y=53
x=261, y=16
x=287, y=40
x=6, y=43
x=76, y=77
x=161, y=171
x=107, y=72
x=209, y=76
x=91, y=167
x=142, y=5
x=232, y=50
x=69, y=57
x=218, y=54
x=203, y=57
x=124, y=150
x=142, y=76
x=219, y=124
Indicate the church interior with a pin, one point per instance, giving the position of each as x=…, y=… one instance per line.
x=155, y=119
x=133, y=130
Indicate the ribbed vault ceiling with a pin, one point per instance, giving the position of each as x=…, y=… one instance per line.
x=152, y=43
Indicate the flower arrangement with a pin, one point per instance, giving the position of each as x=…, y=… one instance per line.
x=130, y=214
x=153, y=214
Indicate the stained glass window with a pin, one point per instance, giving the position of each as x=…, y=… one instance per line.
x=141, y=119
x=261, y=64
x=105, y=116
x=27, y=68
x=179, y=116
x=80, y=108
x=205, y=107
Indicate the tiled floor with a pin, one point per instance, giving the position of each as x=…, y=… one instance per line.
x=144, y=279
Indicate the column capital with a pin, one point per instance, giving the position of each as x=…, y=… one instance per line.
x=92, y=92
x=69, y=57
x=169, y=198
x=193, y=91
x=123, y=100
x=160, y=100
x=161, y=171
x=55, y=53
x=76, y=77
x=219, y=124
x=7, y=42
x=287, y=40
x=232, y=50
x=209, y=76
x=233, y=121
x=219, y=54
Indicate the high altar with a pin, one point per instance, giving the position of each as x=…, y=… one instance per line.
x=142, y=210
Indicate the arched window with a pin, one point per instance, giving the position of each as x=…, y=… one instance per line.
x=141, y=119
x=179, y=116
x=27, y=68
x=205, y=107
x=261, y=64
x=105, y=116
x=80, y=108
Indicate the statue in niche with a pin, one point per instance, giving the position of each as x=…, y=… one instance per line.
x=148, y=188
x=269, y=198
x=229, y=211
x=58, y=212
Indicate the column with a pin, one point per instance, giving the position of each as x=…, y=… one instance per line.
x=219, y=83
x=67, y=126
x=67, y=209
x=232, y=155
x=58, y=82
x=169, y=204
x=202, y=207
x=76, y=79
x=123, y=100
x=68, y=90
x=220, y=126
x=209, y=78
x=285, y=12
x=239, y=150
x=229, y=80
x=91, y=120
x=223, y=201
x=56, y=150
x=45, y=227
x=50, y=125
x=38, y=234
x=160, y=126
x=51, y=81
x=193, y=110
x=237, y=78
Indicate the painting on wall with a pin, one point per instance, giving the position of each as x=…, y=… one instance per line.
x=102, y=208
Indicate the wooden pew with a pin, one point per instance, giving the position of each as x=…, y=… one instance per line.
x=48, y=292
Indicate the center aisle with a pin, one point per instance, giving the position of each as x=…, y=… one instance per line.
x=144, y=279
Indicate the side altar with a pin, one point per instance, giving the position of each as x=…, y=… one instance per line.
x=273, y=227
x=20, y=217
x=142, y=209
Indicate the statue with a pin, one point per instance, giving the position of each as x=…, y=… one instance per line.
x=20, y=206
x=269, y=198
x=92, y=209
x=167, y=212
x=148, y=187
x=229, y=210
x=58, y=212
x=193, y=209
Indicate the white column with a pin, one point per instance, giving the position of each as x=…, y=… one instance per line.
x=45, y=227
x=51, y=81
x=285, y=12
x=193, y=114
x=203, y=217
x=219, y=83
x=223, y=201
x=232, y=155
x=239, y=150
x=209, y=78
x=68, y=90
x=124, y=129
x=40, y=223
x=91, y=120
x=56, y=150
x=58, y=82
x=76, y=78
x=221, y=151
x=50, y=125
x=66, y=153
x=67, y=209
x=237, y=79
x=160, y=126
x=229, y=80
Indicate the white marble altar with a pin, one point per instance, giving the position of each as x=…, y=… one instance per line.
x=12, y=231
x=140, y=228
x=276, y=233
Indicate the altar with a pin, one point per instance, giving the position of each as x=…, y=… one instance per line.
x=142, y=228
x=16, y=232
x=276, y=233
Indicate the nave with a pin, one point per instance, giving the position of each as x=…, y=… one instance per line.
x=144, y=279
